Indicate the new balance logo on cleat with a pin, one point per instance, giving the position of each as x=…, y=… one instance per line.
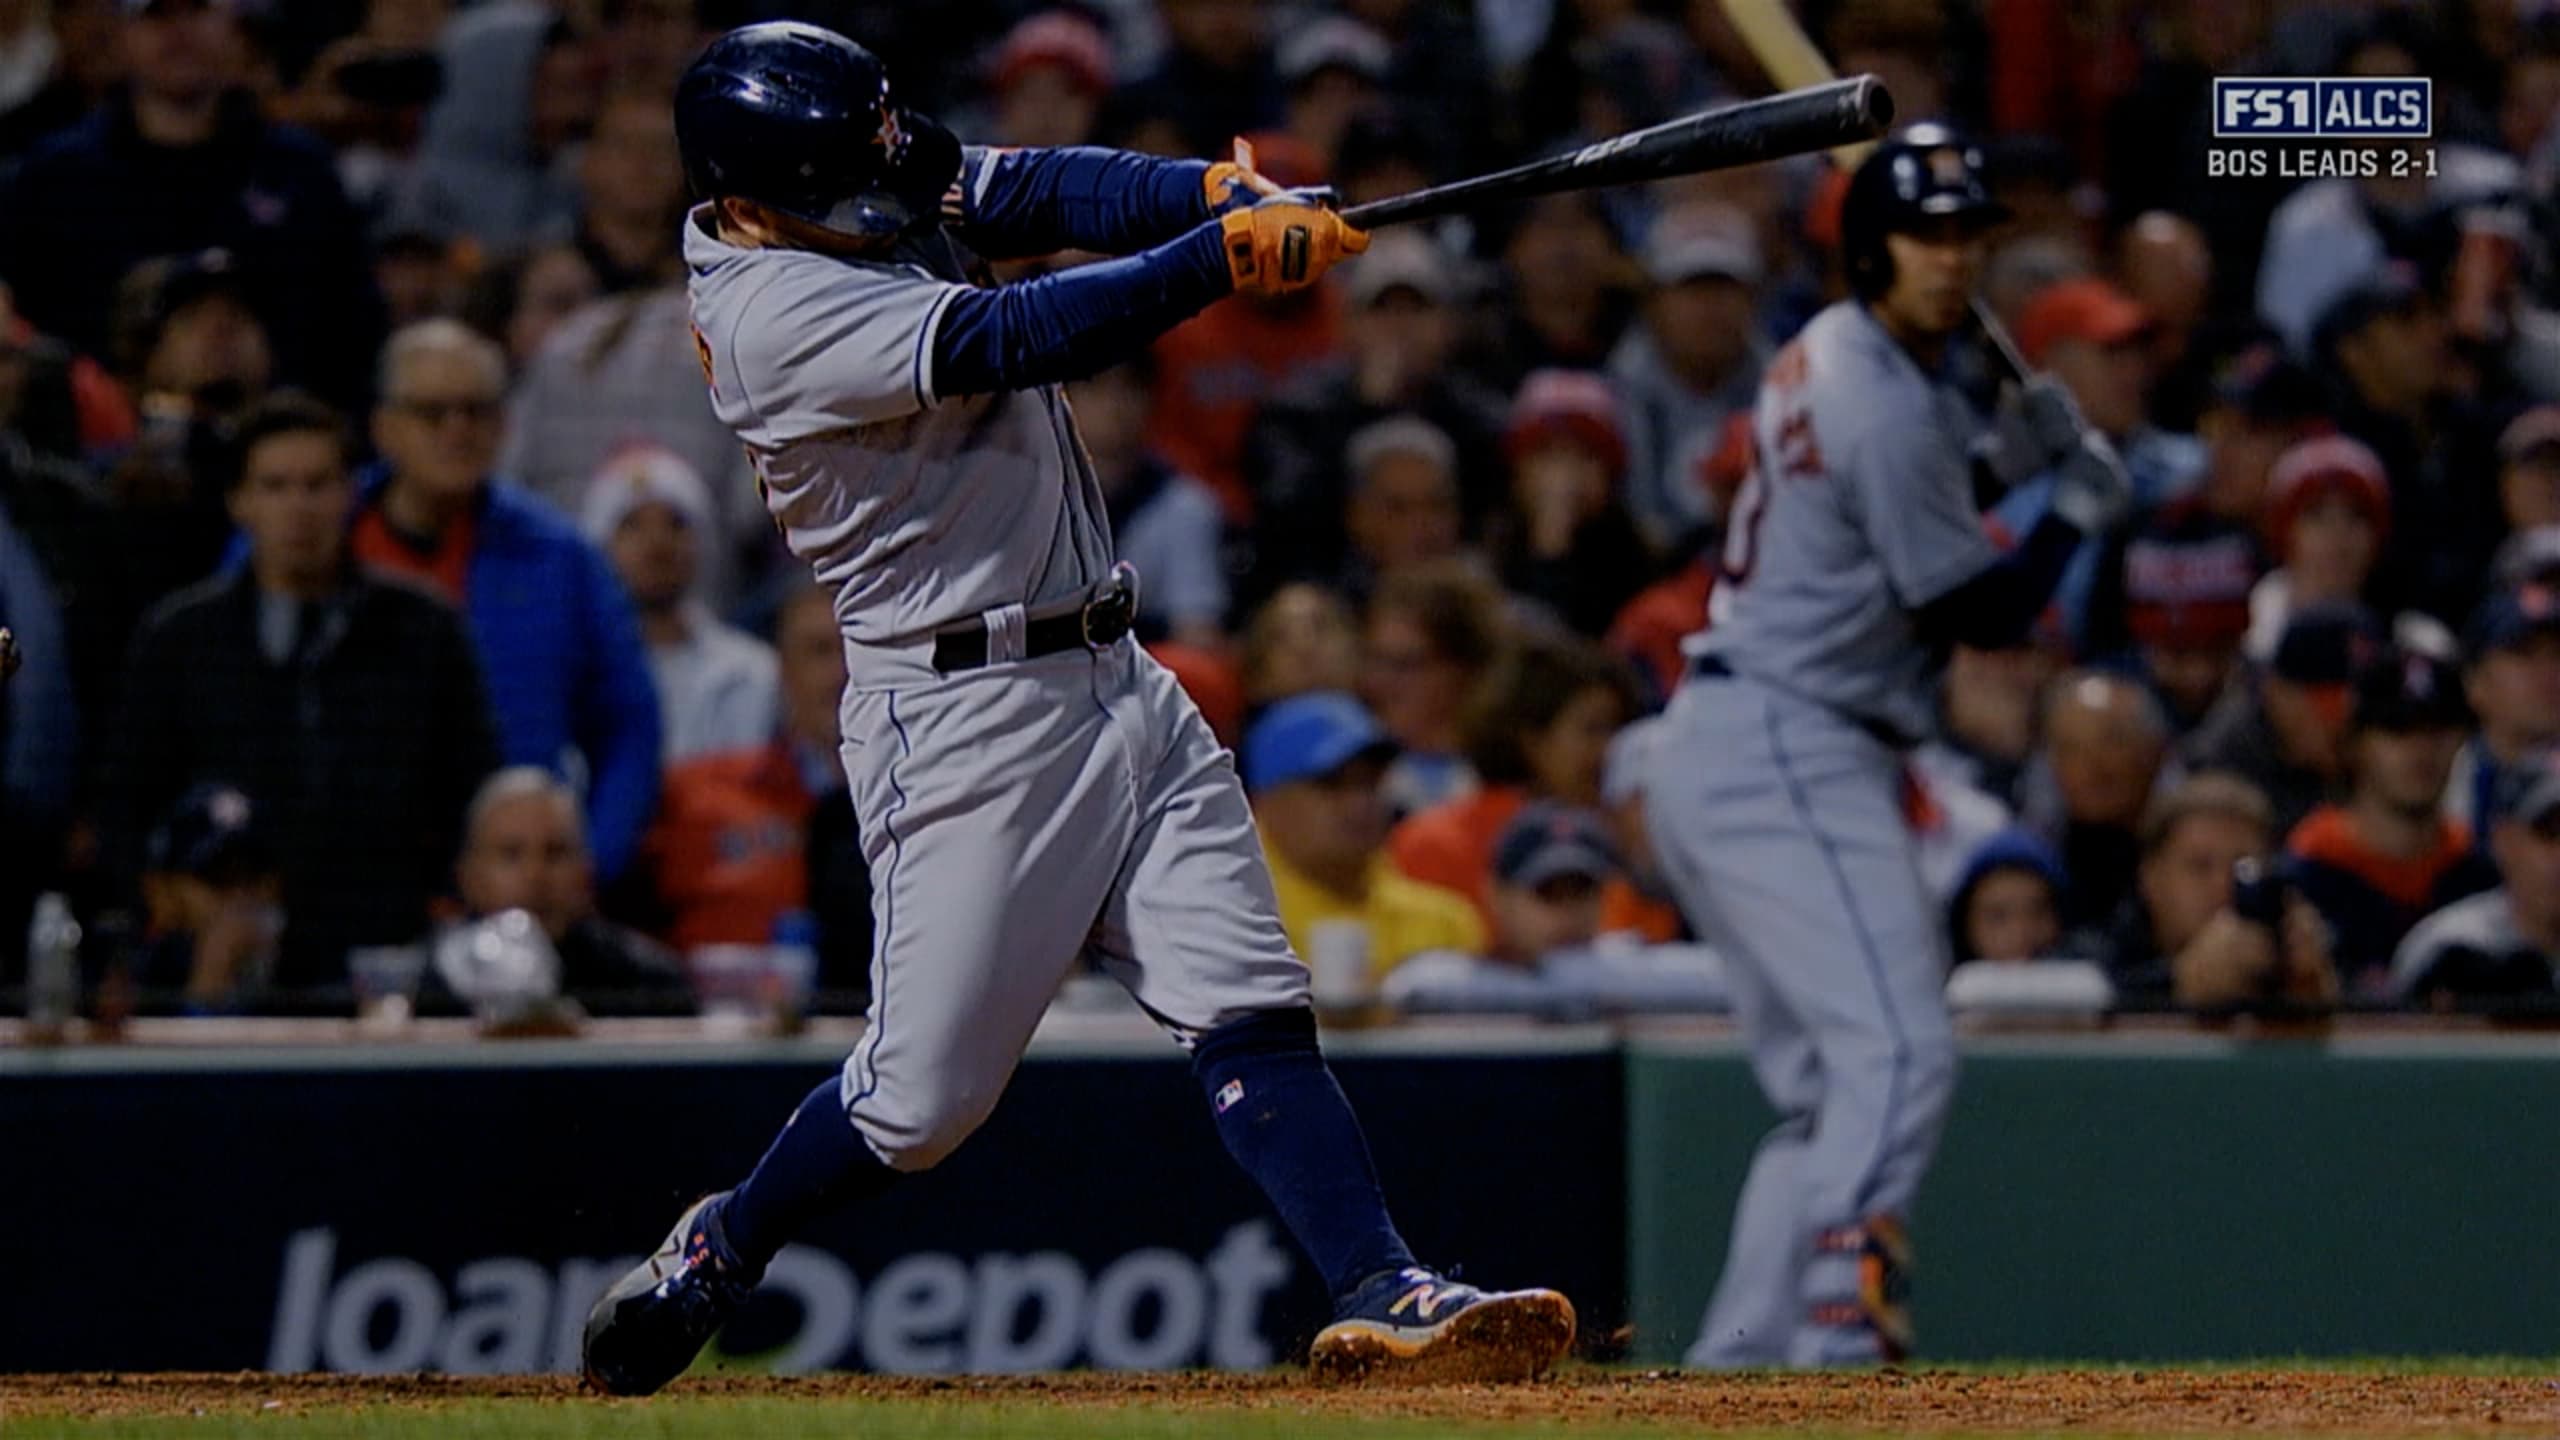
x=1418, y=1325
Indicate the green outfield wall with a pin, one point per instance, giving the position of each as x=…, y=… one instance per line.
x=2178, y=1197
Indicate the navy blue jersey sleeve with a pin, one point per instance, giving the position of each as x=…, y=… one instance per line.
x=1009, y=203
x=1998, y=605
x=1076, y=322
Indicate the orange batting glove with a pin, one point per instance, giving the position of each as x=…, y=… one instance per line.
x=1287, y=242
x=1235, y=184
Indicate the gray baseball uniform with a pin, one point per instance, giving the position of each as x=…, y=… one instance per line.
x=1013, y=816
x=1775, y=803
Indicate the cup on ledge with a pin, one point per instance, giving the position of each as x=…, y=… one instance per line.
x=386, y=979
x=749, y=990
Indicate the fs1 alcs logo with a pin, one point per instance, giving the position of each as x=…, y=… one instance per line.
x=2375, y=126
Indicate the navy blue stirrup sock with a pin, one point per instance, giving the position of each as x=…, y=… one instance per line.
x=1286, y=1122
x=816, y=1164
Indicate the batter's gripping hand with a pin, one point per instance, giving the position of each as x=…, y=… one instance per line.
x=2090, y=488
x=1287, y=241
x=1235, y=184
x=2051, y=419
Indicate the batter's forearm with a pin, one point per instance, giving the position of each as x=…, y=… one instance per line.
x=1076, y=322
x=1112, y=202
x=1999, y=605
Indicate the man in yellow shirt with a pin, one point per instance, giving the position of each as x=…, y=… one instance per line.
x=1313, y=764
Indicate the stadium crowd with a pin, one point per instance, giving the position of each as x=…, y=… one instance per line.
x=377, y=563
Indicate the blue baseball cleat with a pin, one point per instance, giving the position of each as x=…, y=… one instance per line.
x=647, y=1329
x=1417, y=1324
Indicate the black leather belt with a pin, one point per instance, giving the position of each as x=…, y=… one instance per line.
x=1096, y=625
x=1713, y=667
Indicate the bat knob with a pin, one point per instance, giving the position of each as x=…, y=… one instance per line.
x=1872, y=104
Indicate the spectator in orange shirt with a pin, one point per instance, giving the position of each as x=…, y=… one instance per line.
x=2387, y=857
x=1543, y=735
x=732, y=852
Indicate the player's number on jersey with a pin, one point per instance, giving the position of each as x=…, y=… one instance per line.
x=1798, y=456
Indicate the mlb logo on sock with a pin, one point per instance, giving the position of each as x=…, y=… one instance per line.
x=2264, y=107
x=1229, y=1094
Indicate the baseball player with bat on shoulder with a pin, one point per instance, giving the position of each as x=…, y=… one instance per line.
x=1854, y=559
x=1032, y=786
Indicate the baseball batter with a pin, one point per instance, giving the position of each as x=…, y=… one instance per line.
x=1854, y=557
x=1032, y=787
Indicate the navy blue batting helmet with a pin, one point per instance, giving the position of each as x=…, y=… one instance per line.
x=800, y=118
x=1919, y=174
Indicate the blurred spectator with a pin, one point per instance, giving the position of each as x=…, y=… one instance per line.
x=2511, y=654
x=2386, y=857
x=2008, y=901
x=1399, y=332
x=2261, y=403
x=2282, y=728
x=1214, y=371
x=621, y=372
x=1431, y=646
x=521, y=300
x=1215, y=80
x=647, y=511
x=2329, y=235
x=198, y=358
x=2192, y=935
x=646, y=44
x=365, y=94
x=2165, y=266
x=2105, y=743
x=213, y=903
x=420, y=278
x=1569, y=288
x=1303, y=638
x=56, y=400
x=40, y=739
x=1402, y=511
x=1541, y=732
x=735, y=847
x=1165, y=523
x=349, y=710
x=2023, y=266
x=2502, y=943
x=1439, y=76
x=1988, y=709
x=1548, y=867
x=525, y=848
x=631, y=193
x=2529, y=469
x=2186, y=581
x=1566, y=539
x=521, y=85
x=1313, y=764
x=1330, y=68
x=1692, y=362
x=178, y=161
x=1049, y=80
x=2383, y=342
x=568, y=675
x=2328, y=513
x=57, y=61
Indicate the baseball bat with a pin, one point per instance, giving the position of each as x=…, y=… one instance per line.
x=1777, y=40
x=1815, y=118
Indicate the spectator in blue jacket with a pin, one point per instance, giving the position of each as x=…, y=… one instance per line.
x=568, y=675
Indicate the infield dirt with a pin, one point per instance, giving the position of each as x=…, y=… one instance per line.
x=1579, y=1399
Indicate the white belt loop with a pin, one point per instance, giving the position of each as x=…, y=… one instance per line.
x=1005, y=633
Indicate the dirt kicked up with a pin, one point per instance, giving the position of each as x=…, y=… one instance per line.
x=1904, y=1402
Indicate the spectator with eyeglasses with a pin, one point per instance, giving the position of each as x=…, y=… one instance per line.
x=568, y=676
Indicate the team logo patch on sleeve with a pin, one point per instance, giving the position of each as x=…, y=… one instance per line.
x=1229, y=1094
